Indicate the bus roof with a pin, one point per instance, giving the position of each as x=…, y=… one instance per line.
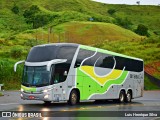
x=90, y=48
x=59, y=44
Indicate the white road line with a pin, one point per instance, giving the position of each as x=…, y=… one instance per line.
x=10, y=104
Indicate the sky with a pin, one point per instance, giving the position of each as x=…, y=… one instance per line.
x=131, y=2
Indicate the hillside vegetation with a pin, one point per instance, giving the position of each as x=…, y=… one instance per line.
x=126, y=29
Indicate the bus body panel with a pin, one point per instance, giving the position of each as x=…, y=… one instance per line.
x=93, y=82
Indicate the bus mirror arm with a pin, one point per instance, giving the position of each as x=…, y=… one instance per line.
x=55, y=62
x=19, y=62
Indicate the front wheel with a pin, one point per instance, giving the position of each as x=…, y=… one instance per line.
x=73, y=98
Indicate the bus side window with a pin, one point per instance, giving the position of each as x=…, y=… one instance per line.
x=58, y=73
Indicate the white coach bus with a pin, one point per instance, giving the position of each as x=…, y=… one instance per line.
x=74, y=72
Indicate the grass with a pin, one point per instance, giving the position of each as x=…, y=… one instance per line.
x=1, y=94
x=149, y=85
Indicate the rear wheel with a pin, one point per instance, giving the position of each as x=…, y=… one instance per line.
x=122, y=97
x=73, y=98
x=128, y=97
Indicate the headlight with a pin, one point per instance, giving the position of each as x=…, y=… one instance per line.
x=45, y=91
x=46, y=96
x=22, y=90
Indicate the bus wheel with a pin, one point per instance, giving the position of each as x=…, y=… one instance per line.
x=73, y=98
x=128, y=97
x=122, y=97
x=47, y=102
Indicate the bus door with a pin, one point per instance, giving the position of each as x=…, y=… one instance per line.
x=59, y=75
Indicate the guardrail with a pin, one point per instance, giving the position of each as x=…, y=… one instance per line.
x=1, y=85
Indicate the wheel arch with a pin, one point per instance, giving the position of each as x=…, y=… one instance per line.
x=77, y=90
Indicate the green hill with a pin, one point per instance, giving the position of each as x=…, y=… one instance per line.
x=89, y=33
x=25, y=23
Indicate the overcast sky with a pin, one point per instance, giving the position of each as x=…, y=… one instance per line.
x=131, y=2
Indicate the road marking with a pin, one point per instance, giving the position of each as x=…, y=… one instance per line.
x=10, y=104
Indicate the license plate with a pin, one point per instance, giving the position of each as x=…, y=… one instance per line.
x=31, y=97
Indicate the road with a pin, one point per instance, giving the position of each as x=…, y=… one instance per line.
x=149, y=102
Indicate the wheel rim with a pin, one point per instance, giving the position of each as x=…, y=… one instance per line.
x=121, y=98
x=128, y=97
x=74, y=98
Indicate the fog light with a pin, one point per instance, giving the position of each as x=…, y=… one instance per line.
x=22, y=95
x=46, y=96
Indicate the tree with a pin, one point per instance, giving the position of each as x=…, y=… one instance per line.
x=15, y=9
x=36, y=17
x=111, y=11
x=124, y=22
x=138, y=2
x=142, y=30
x=30, y=15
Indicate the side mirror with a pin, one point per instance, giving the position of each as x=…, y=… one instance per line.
x=55, y=61
x=15, y=65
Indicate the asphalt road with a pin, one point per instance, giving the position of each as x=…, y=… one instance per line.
x=11, y=101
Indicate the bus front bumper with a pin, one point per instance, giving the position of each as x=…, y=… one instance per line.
x=36, y=96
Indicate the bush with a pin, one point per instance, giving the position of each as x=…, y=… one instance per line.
x=142, y=30
x=111, y=11
x=16, y=52
x=9, y=78
x=124, y=22
x=15, y=9
x=30, y=42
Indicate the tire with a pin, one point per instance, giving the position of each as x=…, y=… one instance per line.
x=73, y=98
x=122, y=97
x=128, y=97
x=47, y=102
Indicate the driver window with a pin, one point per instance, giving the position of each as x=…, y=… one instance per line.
x=58, y=73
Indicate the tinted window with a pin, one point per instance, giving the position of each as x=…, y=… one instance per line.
x=66, y=52
x=59, y=73
x=108, y=61
x=82, y=55
x=42, y=53
x=47, y=53
x=130, y=64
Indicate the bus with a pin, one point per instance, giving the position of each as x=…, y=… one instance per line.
x=73, y=73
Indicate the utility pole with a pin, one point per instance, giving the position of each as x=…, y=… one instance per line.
x=49, y=33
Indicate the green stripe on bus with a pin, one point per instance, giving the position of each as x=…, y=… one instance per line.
x=28, y=89
x=85, y=81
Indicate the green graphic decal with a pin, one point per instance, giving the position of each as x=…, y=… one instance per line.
x=28, y=89
x=88, y=86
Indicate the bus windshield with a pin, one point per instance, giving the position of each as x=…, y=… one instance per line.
x=36, y=76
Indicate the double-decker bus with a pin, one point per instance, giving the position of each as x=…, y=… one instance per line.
x=73, y=72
